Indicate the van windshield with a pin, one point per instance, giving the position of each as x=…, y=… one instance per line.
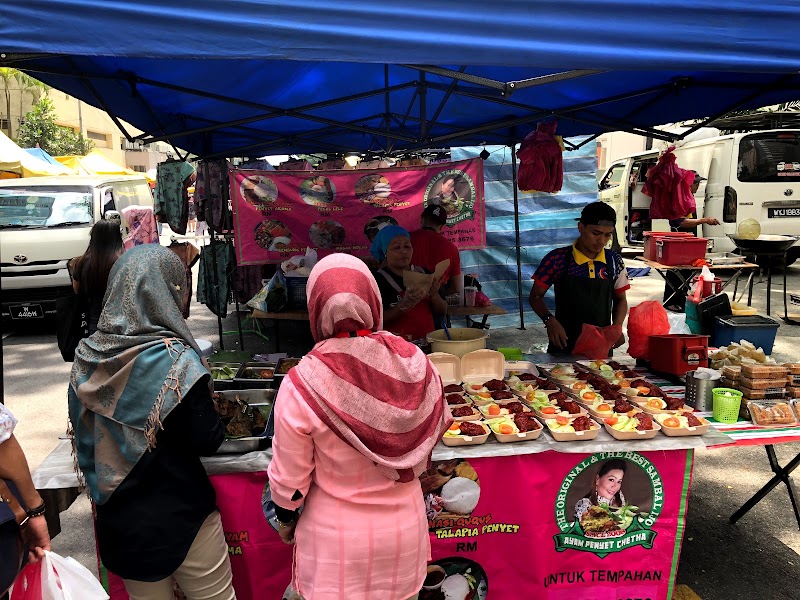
x=40, y=207
x=773, y=156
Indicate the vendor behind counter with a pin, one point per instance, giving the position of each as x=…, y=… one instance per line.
x=590, y=282
x=408, y=313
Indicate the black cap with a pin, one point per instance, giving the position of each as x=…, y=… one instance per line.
x=435, y=213
x=598, y=213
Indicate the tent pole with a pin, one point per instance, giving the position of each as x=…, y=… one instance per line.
x=423, y=107
x=513, y=147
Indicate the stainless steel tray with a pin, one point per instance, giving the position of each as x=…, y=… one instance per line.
x=254, y=383
x=242, y=445
x=222, y=385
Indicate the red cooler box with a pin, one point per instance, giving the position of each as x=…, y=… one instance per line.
x=673, y=251
x=651, y=237
x=678, y=353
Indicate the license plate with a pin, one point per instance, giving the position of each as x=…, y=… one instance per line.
x=781, y=213
x=26, y=311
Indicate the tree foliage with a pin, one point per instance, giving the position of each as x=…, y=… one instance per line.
x=40, y=128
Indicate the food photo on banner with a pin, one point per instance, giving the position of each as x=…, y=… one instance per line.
x=280, y=214
x=557, y=526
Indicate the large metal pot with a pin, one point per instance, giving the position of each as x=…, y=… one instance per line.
x=764, y=244
x=464, y=339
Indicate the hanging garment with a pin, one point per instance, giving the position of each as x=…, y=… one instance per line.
x=541, y=166
x=189, y=255
x=172, y=198
x=335, y=164
x=213, y=290
x=256, y=164
x=211, y=193
x=249, y=280
x=295, y=165
x=670, y=187
x=142, y=226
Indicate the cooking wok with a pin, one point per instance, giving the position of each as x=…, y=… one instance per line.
x=764, y=244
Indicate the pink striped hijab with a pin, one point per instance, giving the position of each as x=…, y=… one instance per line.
x=379, y=393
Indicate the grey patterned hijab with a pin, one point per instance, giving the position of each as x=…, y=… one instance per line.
x=130, y=374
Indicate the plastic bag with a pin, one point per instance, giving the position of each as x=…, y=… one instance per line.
x=259, y=301
x=595, y=342
x=646, y=319
x=677, y=323
x=57, y=578
x=277, y=297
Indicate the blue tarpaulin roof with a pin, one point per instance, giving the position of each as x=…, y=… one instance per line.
x=250, y=77
x=42, y=155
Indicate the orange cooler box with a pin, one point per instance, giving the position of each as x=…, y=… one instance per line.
x=678, y=353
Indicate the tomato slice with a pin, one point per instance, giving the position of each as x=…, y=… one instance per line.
x=494, y=410
x=453, y=427
x=611, y=421
x=549, y=410
x=506, y=429
x=590, y=395
x=643, y=390
x=603, y=407
x=562, y=420
x=672, y=422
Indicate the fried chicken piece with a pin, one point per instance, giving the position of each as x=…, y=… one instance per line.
x=673, y=403
x=453, y=388
x=623, y=406
x=546, y=384
x=559, y=396
x=656, y=392
x=494, y=385
x=455, y=399
x=572, y=408
x=240, y=425
x=515, y=407
x=501, y=395
x=581, y=423
x=629, y=374
x=471, y=429
x=526, y=422
x=585, y=376
x=693, y=421
x=226, y=407
x=527, y=377
x=462, y=411
x=259, y=422
x=645, y=422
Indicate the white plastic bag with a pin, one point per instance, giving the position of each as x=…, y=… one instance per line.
x=677, y=323
x=67, y=579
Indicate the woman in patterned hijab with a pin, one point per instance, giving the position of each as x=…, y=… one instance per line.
x=141, y=411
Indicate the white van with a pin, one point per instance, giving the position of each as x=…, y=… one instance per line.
x=749, y=176
x=44, y=222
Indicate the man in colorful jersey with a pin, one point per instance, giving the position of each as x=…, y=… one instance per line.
x=590, y=282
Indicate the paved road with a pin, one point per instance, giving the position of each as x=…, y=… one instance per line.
x=757, y=558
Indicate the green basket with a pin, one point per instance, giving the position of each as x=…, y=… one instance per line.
x=726, y=405
x=511, y=353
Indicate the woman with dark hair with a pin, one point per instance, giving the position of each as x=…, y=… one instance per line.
x=607, y=488
x=90, y=271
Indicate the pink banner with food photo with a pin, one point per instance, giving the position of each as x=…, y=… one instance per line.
x=280, y=214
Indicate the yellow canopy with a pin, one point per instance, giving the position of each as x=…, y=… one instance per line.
x=14, y=159
x=94, y=163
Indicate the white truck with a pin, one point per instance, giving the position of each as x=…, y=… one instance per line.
x=44, y=222
x=749, y=176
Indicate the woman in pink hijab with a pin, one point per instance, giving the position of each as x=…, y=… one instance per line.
x=355, y=424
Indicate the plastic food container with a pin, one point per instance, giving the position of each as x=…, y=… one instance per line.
x=634, y=435
x=678, y=353
x=482, y=365
x=523, y=366
x=466, y=440
x=768, y=394
x=742, y=310
x=771, y=413
x=764, y=371
x=463, y=340
x=651, y=237
x=757, y=329
x=448, y=365
x=505, y=438
x=577, y=436
x=796, y=407
x=475, y=416
x=673, y=251
x=685, y=431
x=763, y=384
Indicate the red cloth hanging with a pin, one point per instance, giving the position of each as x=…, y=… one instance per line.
x=670, y=187
x=541, y=165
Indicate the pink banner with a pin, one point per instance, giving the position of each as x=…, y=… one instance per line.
x=506, y=527
x=278, y=214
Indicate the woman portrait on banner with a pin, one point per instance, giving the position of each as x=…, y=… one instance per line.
x=355, y=424
x=447, y=197
x=410, y=313
x=606, y=488
x=141, y=412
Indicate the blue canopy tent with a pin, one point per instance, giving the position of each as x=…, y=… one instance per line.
x=41, y=154
x=255, y=77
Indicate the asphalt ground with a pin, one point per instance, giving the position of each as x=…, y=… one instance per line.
x=757, y=558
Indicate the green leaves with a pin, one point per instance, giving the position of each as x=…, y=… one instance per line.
x=40, y=128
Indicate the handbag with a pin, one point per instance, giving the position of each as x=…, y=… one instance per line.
x=72, y=324
x=12, y=548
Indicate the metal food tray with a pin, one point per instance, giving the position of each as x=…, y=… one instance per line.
x=251, y=443
x=280, y=362
x=254, y=383
x=222, y=385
